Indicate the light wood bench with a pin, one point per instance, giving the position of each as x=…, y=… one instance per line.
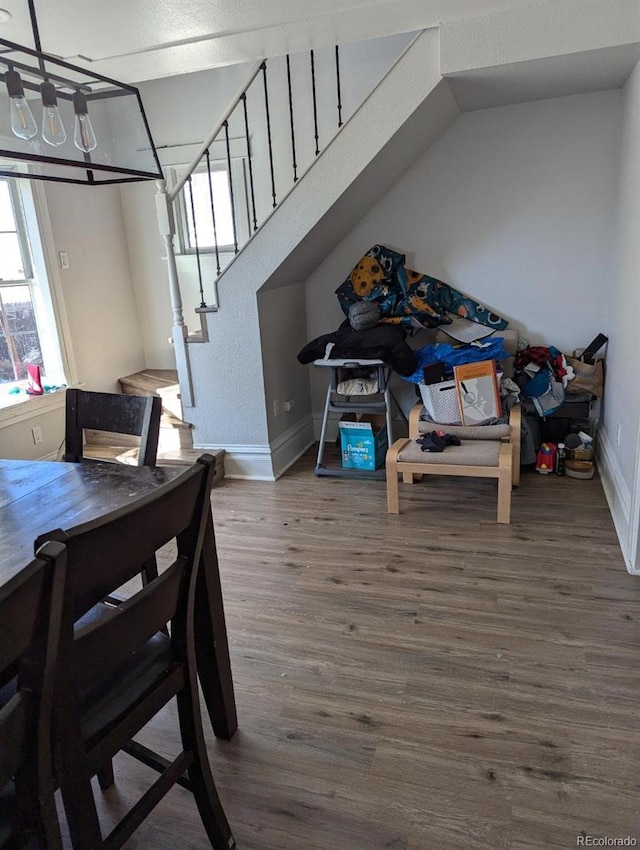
x=486, y=451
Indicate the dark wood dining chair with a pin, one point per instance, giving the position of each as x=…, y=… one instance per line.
x=30, y=616
x=118, y=667
x=134, y=415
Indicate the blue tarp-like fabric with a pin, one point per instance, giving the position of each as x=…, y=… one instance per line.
x=443, y=352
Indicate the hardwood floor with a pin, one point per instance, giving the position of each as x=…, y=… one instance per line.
x=427, y=681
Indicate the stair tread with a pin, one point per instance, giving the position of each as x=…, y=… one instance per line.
x=158, y=382
x=151, y=377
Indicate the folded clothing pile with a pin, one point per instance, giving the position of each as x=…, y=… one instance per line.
x=437, y=441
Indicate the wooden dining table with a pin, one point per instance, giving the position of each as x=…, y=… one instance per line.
x=41, y=496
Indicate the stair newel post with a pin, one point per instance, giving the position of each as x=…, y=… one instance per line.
x=166, y=225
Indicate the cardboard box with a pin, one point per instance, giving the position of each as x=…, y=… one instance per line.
x=363, y=444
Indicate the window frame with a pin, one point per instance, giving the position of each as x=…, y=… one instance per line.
x=39, y=256
x=241, y=204
x=21, y=232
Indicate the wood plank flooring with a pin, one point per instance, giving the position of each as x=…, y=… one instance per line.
x=427, y=681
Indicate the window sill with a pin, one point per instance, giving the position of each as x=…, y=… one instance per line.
x=18, y=408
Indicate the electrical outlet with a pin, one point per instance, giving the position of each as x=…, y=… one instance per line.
x=289, y=405
x=36, y=433
x=276, y=407
x=618, y=433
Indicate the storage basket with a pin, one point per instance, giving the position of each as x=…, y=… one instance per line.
x=441, y=402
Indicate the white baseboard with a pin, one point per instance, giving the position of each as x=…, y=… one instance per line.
x=288, y=447
x=253, y=462
x=266, y=463
x=617, y=495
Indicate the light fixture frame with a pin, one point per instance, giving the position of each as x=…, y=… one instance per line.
x=95, y=87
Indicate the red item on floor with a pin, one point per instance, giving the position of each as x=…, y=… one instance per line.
x=546, y=460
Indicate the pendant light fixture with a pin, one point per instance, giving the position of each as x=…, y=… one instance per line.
x=74, y=100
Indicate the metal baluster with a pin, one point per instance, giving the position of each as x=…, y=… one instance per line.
x=338, y=86
x=246, y=132
x=293, y=135
x=233, y=205
x=195, y=240
x=266, y=106
x=213, y=214
x=315, y=105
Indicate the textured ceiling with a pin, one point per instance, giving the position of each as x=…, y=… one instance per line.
x=135, y=40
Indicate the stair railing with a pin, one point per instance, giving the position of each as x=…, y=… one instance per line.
x=167, y=199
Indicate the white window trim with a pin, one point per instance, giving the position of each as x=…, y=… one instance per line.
x=18, y=408
x=241, y=202
x=50, y=261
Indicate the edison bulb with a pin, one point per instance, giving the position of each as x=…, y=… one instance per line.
x=23, y=124
x=84, y=137
x=53, y=131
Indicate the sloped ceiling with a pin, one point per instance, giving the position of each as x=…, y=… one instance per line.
x=135, y=40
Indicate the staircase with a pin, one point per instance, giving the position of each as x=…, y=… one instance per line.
x=227, y=400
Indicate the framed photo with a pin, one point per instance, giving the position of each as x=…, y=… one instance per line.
x=478, y=392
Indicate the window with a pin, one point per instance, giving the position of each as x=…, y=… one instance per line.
x=224, y=220
x=28, y=327
x=19, y=340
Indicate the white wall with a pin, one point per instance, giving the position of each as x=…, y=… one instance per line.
x=283, y=332
x=97, y=288
x=99, y=310
x=16, y=440
x=622, y=402
x=181, y=111
x=511, y=205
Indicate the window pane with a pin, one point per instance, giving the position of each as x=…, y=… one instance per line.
x=11, y=266
x=19, y=341
x=202, y=205
x=6, y=364
x=7, y=221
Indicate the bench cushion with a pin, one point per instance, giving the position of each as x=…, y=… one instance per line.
x=468, y=453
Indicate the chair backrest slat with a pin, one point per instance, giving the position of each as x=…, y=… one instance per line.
x=14, y=727
x=21, y=609
x=133, y=415
x=106, y=643
x=116, y=544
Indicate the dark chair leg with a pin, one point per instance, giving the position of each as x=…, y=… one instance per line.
x=82, y=817
x=105, y=776
x=204, y=790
